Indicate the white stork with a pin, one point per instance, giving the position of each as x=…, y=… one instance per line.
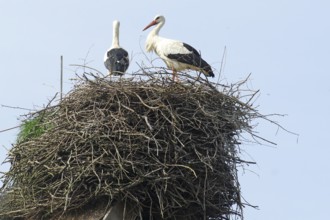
x=177, y=55
x=116, y=58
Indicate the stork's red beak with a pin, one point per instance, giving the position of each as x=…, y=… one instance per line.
x=154, y=22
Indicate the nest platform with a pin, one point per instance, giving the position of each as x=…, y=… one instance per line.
x=169, y=150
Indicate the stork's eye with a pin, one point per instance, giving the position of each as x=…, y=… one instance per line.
x=157, y=18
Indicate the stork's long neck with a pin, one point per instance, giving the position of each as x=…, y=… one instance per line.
x=115, y=35
x=152, y=37
x=158, y=27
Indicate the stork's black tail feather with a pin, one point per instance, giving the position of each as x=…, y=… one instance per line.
x=117, y=61
x=207, y=70
x=119, y=67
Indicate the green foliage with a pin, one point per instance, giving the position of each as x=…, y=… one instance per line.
x=33, y=127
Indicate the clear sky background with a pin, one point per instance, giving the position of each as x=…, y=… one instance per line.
x=284, y=44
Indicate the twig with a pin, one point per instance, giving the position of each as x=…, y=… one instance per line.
x=61, y=81
x=8, y=129
x=15, y=107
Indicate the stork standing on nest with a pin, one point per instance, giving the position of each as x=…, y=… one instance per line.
x=116, y=58
x=177, y=55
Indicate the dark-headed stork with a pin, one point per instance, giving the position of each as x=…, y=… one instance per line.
x=116, y=58
x=177, y=55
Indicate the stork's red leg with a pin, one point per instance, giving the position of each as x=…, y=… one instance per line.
x=173, y=74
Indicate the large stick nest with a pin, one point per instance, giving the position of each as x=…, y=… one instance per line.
x=168, y=149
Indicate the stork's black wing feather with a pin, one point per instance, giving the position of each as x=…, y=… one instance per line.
x=117, y=61
x=193, y=58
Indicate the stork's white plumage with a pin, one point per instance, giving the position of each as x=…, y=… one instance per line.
x=116, y=58
x=177, y=55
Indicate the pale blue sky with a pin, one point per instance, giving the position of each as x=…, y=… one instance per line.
x=284, y=44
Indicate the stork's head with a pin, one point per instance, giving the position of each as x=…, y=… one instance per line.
x=115, y=23
x=159, y=19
